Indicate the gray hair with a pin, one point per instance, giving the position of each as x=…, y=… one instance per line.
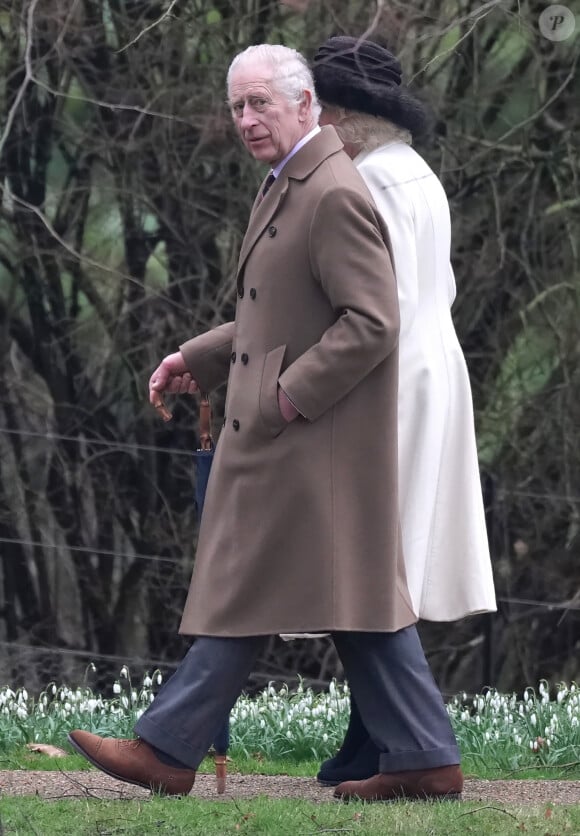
x=291, y=74
x=364, y=131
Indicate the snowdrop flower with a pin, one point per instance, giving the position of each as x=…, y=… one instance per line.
x=116, y=688
x=147, y=681
x=124, y=672
x=533, y=719
x=159, y=679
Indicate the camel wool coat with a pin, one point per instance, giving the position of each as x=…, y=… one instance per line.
x=300, y=527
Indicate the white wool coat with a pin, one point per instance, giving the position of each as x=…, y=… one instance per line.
x=445, y=543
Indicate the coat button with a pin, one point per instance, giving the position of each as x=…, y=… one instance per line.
x=241, y=292
x=252, y=293
x=233, y=357
x=236, y=424
x=244, y=358
x=272, y=231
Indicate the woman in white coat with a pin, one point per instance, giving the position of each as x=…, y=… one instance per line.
x=445, y=541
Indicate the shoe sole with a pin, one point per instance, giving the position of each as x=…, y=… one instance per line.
x=112, y=774
x=328, y=783
x=450, y=796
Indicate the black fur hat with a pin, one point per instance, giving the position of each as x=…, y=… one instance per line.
x=361, y=75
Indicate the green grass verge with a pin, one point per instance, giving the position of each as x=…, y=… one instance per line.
x=475, y=766
x=26, y=816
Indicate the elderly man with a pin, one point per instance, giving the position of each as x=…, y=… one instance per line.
x=300, y=526
x=447, y=560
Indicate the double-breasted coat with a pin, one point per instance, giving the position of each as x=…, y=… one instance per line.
x=445, y=541
x=300, y=525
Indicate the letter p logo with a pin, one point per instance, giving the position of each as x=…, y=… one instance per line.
x=557, y=23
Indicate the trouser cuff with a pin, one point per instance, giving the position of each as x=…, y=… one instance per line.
x=419, y=759
x=152, y=733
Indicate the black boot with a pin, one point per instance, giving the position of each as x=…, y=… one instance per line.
x=364, y=765
x=332, y=770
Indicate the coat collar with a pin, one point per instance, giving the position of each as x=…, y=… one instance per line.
x=299, y=167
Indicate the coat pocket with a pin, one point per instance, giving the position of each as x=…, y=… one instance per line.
x=269, y=409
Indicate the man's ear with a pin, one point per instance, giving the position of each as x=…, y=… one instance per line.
x=305, y=106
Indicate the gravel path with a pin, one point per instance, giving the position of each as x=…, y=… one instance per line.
x=53, y=785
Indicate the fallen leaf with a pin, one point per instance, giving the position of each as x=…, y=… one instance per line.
x=47, y=749
x=548, y=813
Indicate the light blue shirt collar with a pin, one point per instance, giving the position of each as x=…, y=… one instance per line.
x=276, y=171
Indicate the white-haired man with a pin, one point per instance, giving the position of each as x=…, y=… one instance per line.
x=300, y=526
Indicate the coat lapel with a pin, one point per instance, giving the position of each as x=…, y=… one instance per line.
x=300, y=166
x=262, y=213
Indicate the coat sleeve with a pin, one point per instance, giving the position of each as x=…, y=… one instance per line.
x=208, y=356
x=349, y=257
x=395, y=204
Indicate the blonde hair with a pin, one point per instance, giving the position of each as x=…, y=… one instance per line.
x=364, y=131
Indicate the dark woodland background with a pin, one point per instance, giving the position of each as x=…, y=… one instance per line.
x=124, y=196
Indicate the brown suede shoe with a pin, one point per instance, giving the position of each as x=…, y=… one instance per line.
x=443, y=782
x=133, y=761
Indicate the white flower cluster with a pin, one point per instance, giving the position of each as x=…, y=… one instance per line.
x=501, y=731
x=302, y=724
x=58, y=709
x=536, y=723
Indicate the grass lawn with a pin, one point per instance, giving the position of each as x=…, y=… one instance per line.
x=26, y=816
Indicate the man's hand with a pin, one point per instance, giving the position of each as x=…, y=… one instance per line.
x=287, y=408
x=170, y=376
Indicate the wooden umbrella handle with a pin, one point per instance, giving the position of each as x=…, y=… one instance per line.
x=205, y=436
x=159, y=404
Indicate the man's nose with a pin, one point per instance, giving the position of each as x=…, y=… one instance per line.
x=248, y=119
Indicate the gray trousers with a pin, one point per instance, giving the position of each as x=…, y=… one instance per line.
x=388, y=674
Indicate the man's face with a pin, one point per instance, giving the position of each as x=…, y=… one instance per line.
x=267, y=123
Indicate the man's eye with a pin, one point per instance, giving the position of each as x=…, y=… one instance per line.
x=259, y=104
x=238, y=109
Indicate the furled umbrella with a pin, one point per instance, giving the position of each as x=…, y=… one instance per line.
x=203, y=458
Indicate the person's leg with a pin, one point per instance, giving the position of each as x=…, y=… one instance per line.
x=355, y=736
x=357, y=758
x=175, y=732
x=193, y=704
x=401, y=707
